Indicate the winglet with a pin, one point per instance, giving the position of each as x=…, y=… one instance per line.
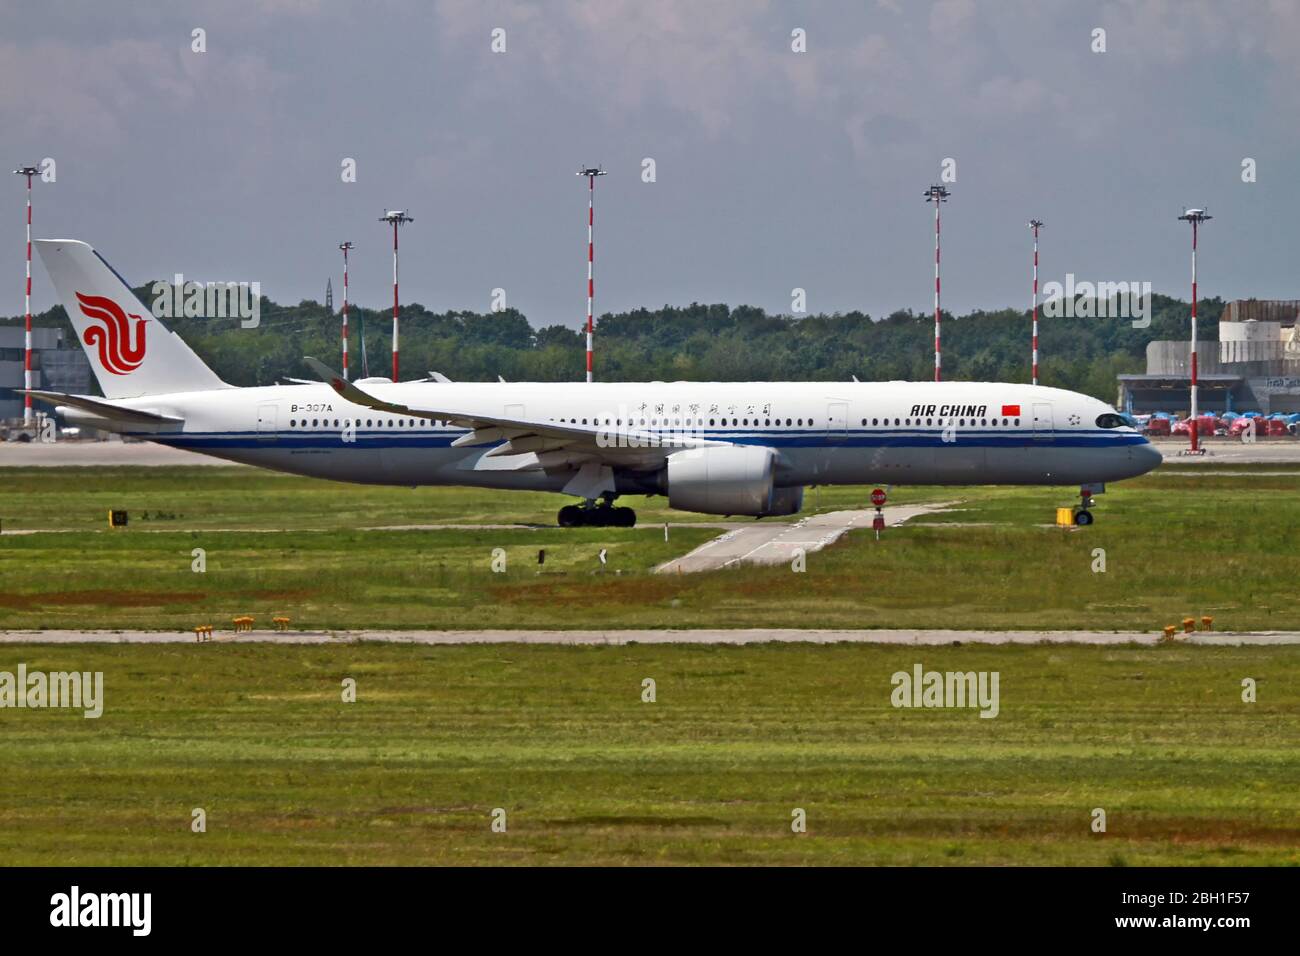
x=348, y=391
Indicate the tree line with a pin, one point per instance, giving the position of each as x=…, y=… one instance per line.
x=694, y=342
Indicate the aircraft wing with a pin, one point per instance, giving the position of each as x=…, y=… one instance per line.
x=105, y=409
x=554, y=443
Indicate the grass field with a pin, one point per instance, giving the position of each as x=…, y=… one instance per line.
x=1176, y=543
x=258, y=737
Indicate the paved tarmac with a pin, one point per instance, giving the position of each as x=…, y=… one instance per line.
x=1229, y=451
x=759, y=543
x=63, y=454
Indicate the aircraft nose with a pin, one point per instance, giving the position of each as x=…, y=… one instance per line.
x=1146, y=456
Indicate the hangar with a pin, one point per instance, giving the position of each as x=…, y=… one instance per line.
x=56, y=365
x=1254, y=366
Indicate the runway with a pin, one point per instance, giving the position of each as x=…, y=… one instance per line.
x=919, y=638
x=1228, y=451
x=101, y=454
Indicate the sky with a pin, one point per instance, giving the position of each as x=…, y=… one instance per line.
x=774, y=168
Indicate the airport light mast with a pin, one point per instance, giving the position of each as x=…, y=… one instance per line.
x=1195, y=217
x=29, y=172
x=1035, y=224
x=591, y=173
x=936, y=194
x=345, y=246
x=397, y=217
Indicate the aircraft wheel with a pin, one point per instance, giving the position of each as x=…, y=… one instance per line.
x=624, y=518
x=1083, y=517
x=570, y=516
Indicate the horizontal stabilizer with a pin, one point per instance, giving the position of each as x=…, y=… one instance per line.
x=103, y=409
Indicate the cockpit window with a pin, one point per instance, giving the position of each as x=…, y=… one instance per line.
x=1111, y=420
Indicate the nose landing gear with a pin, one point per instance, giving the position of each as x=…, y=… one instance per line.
x=592, y=515
x=1082, y=516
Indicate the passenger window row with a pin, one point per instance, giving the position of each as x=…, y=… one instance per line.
x=776, y=423
x=687, y=422
x=369, y=423
x=960, y=422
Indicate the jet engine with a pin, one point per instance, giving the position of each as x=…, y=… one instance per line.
x=734, y=480
x=786, y=501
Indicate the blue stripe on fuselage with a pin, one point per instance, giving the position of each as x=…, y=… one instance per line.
x=857, y=438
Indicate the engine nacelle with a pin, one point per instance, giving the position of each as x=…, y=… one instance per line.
x=786, y=501
x=733, y=480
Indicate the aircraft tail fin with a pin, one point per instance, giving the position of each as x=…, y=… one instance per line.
x=131, y=352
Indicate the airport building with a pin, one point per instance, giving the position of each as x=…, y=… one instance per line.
x=56, y=365
x=1254, y=366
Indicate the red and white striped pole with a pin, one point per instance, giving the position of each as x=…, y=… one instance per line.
x=1195, y=217
x=936, y=195
x=397, y=217
x=345, y=246
x=1036, y=224
x=591, y=173
x=29, y=172
x=394, y=300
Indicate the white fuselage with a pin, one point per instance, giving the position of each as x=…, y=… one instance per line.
x=824, y=432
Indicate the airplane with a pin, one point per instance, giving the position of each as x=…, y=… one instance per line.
x=718, y=448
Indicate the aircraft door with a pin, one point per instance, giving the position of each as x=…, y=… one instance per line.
x=837, y=420
x=267, y=418
x=1043, y=424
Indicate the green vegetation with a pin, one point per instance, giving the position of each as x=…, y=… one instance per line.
x=257, y=736
x=1177, y=543
x=695, y=342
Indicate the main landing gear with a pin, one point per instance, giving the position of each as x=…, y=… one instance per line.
x=592, y=515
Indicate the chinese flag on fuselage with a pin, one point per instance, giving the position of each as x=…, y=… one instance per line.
x=1011, y=411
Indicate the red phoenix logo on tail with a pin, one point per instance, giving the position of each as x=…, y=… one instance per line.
x=113, y=339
